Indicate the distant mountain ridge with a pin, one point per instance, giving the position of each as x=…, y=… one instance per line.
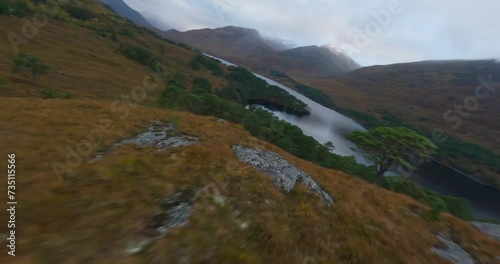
x=124, y=10
x=247, y=47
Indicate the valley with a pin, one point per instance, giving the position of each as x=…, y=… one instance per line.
x=134, y=148
x=440, y=99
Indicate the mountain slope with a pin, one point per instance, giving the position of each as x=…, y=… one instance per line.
x=111, y=204
x=319, y=62
x=122, y=9
x=431, y=95
x=232, y=41
x=246, y=47
x=115, y=200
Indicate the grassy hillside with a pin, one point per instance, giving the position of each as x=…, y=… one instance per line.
x=245, y=46
x=422, y=96
x=86, y=52
x=415, y=95
x=99, y=212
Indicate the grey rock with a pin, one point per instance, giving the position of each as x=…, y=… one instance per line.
x=176, y=212
x=162, y=136
x=491, y=230
x=285, y=175
x=134, y=247
x=96, y=158
x=453, y=252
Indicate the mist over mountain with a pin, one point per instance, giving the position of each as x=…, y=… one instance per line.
x=125, y=146
x=413, y=93
x=248, y=47
x=278, y=44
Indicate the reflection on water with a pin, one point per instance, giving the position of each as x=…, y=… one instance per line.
x=325, y=125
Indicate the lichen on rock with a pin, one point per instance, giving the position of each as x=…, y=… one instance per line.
x=284, y=174
x=491, y=230
x=453, y=252
x=161, y=135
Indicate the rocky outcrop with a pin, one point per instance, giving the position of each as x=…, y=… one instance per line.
x=175, y=212
x=453, y=252
x=162, y=136
x=491, y=230
x=284, y=174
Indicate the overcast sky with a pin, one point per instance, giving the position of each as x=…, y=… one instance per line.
x=370, y=31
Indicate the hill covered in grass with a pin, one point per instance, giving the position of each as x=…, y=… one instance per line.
x=456, y=100
x=246, y=46
x=85, y=195
x=104, y=209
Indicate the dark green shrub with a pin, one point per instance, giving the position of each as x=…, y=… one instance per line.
x=79, y=12
x=53, y=94
x=67, y=96
x=172, y=96
x=139, y=55
x=245, y=88
x=203, y=84
x=402, y=185
x=210, y=64
x=126, y=32
x=14, y=8
x=458, y=207
x=434, y=201
x=49, y=94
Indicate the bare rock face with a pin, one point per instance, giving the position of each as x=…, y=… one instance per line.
x=453, y=252
x=162, y=136
x=284, y=174
x=491, y=230
x=175, y=213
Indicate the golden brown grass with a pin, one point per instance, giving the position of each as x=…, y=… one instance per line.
x=374, y=90
x=91, y=66
x=102, y=206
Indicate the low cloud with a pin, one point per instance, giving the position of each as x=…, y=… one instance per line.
x=421, y=30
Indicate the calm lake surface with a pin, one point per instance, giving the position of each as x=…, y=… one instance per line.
x=325, y=125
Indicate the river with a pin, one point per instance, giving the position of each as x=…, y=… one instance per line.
x=325, y=124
